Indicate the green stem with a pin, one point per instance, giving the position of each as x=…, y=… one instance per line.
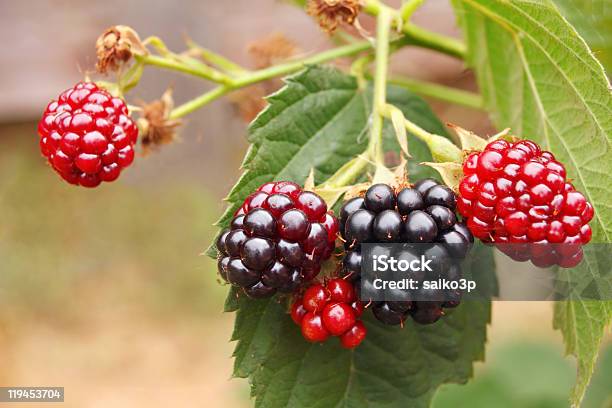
x=170, y=63
x=442, y=149
x=359, y=68
x=419, y=36
x=200, y=101
x=383, y=27
x=409, y=7
x=158, y=44
x=435, y=41
x=215, y=59
x=347, y=174
x=250, y=78
x=440, y=92
x=293, y=66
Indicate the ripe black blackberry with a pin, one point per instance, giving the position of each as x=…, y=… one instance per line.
x=277, y=240
x=422, y=214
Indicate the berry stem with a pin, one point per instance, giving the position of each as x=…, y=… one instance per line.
x=440, y=92
x=383, y=28
x=253, y=77
x=347, y=174
x=442, y=149
x=185, y=65
x=215, y=59
x=198, y=102
x=417, y=35
x=409, y=7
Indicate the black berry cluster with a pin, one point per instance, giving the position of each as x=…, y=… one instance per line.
x=423, y=214
x=277, y=240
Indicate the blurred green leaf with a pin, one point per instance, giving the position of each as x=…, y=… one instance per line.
x=517, y=374
x=538, y=76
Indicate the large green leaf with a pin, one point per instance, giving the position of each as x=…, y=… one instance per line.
x=593, y=20
x=319, y=120
x=539, y=77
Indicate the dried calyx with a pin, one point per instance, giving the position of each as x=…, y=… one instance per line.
x=332, y=13
x=116, y=46
x=156, y=126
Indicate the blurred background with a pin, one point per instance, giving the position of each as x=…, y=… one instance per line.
x=105, y=293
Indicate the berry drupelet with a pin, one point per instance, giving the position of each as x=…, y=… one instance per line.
x=422, y=214
x=277, y=240
x=87, y=135
x=330, y=309
x=514, y=194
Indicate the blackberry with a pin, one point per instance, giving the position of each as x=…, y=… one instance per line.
x=514, y=194
x=422, y=214
x=277, y=240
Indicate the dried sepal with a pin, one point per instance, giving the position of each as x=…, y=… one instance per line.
x=116, y=46
x=309, y=183
x=332, y=13
x=157, y=128
x=398, y=120
x=468, y=139
x=451, y=173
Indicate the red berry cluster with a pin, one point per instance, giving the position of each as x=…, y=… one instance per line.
x=277, y=240
x=330, y=309
x=515, y=193
x=87, y=135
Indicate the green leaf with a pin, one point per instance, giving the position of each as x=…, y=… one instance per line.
x=538, y=77
x=319, y=120
x=393, y=367
x=593, y=20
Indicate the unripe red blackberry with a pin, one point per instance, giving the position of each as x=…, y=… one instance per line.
x=277, y=240
x=424, y=213
x=87, y=135
x=514, y=193
x=330, y=309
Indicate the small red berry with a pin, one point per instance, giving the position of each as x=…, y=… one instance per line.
x=357, y=308
x=586, y=233
x=341, y=290
x=338, y=318
x=313, y=329
x=87, y=135
x=489, y=164
x=517, y=223
x=354, y=336
x=298, y=311
x=316, y=297
x=575, y=203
